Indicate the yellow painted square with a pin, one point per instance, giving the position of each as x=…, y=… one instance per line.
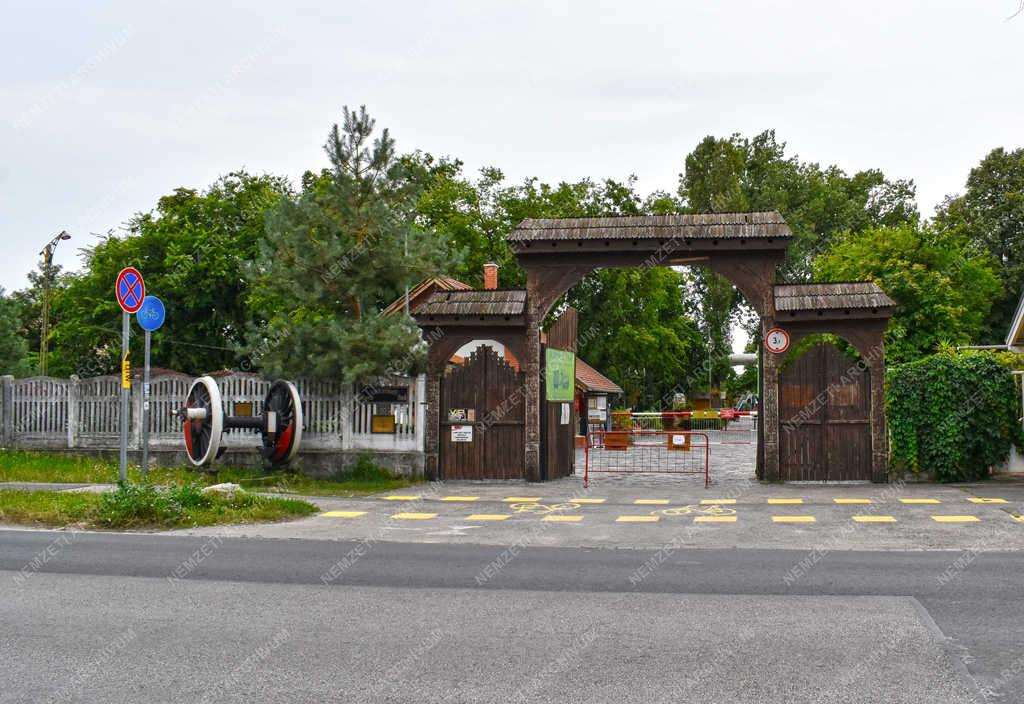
x=852, y=501
x=976, y=500
x=460, y=498
x=343, y=514
x=563, y=519
x=488, y=516
x=521, y=499
x=920, y=501
x=715, y=519
x=955, y=519
x=712, y=502
x=637, y=519
x=785, y=501
x=874, y=519
x=793, y=519
x=587, y=501
x=652, y=502
x=415, y=516
x=1020, y=519
x=399, y=498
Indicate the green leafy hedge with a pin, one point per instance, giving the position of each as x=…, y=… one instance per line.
x=952, y=415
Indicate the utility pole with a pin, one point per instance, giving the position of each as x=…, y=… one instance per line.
x=47, y=283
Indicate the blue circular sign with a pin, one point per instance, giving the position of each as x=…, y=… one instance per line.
x=151, y=314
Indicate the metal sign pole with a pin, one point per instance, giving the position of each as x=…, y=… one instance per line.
x=145, y=413
x=125, y=391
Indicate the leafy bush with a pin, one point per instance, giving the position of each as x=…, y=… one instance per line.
x=952, y=415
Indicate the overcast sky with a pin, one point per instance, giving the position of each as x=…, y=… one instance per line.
x=108, y=105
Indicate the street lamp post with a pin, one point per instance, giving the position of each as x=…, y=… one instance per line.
x=47, y=280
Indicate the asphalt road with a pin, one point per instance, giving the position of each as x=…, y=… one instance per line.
x=111, y=617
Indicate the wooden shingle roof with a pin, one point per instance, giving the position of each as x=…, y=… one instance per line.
x=493, y=302
x=646, y=227
x=857, y=295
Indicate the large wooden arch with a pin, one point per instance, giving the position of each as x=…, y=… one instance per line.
x=745, y=248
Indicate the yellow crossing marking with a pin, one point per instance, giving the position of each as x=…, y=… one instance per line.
x=874, y=519
x=715, y=519
x=343, y=514
x=520, y=499
x=588, y=501
x=852, y=501
x=399, y=498
x=460, y=498
x=415, y=516
x=637, y=519
x=955, y=519
x=563, y=519
x=920, y=501
x=717, y=501
x=793, y=519
x=975, y=500
x=1017, y=518
x=488, y=516
x=649, y=502
x=785, y=501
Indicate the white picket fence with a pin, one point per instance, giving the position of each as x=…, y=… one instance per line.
x=49, y=413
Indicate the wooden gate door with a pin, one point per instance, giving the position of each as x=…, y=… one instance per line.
x=482, y=421
x=824, y=418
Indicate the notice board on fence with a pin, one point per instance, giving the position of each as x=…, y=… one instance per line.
x=559, y=374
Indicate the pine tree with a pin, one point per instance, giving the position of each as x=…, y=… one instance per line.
x=337, y=253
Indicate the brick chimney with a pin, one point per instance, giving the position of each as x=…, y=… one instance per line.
x=490, y=276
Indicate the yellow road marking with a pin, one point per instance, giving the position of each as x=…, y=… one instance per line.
x=343, y=514
x=415, y=516
x=488, y=516
x=874, y=519
x=715, y=519
x=399, y=498
x=460, y=498
x=920, y=501
x=1017, y=518
x=785, y=501
x=852, y=501
x=587, y=501
x=975, y=500
x=563, y=519
x=637, y=519
x=955, y=519
x=793, y=519
x=521, y=499
x=707, y=502
x=651, y=502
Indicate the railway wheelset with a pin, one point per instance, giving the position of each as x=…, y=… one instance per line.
x=279, y=423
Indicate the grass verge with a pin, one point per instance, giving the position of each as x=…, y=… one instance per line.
x=146, y=507
x=361, y=479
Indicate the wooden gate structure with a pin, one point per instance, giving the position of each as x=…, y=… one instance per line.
x=481, y=435
x=825, y=412
x=745, y=248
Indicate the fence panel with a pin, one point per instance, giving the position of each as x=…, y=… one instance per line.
x=48, y=412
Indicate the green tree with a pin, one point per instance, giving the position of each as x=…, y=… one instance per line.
x=14, y=357
x=943, y=291
x=634, y=328
x=990, y=215
x=337, y=253
x=194, y=250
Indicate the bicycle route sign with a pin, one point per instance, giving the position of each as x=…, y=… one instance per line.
x=131, y=290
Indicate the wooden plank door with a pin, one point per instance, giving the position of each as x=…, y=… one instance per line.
x=824, y=418
x=488, y=393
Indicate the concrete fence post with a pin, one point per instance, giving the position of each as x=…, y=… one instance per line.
x=74, y=399
x=347, y=392
x=7, y=410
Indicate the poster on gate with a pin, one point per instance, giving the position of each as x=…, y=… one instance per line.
x=462, y=433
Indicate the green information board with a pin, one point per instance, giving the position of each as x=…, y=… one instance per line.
x=560, y=375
